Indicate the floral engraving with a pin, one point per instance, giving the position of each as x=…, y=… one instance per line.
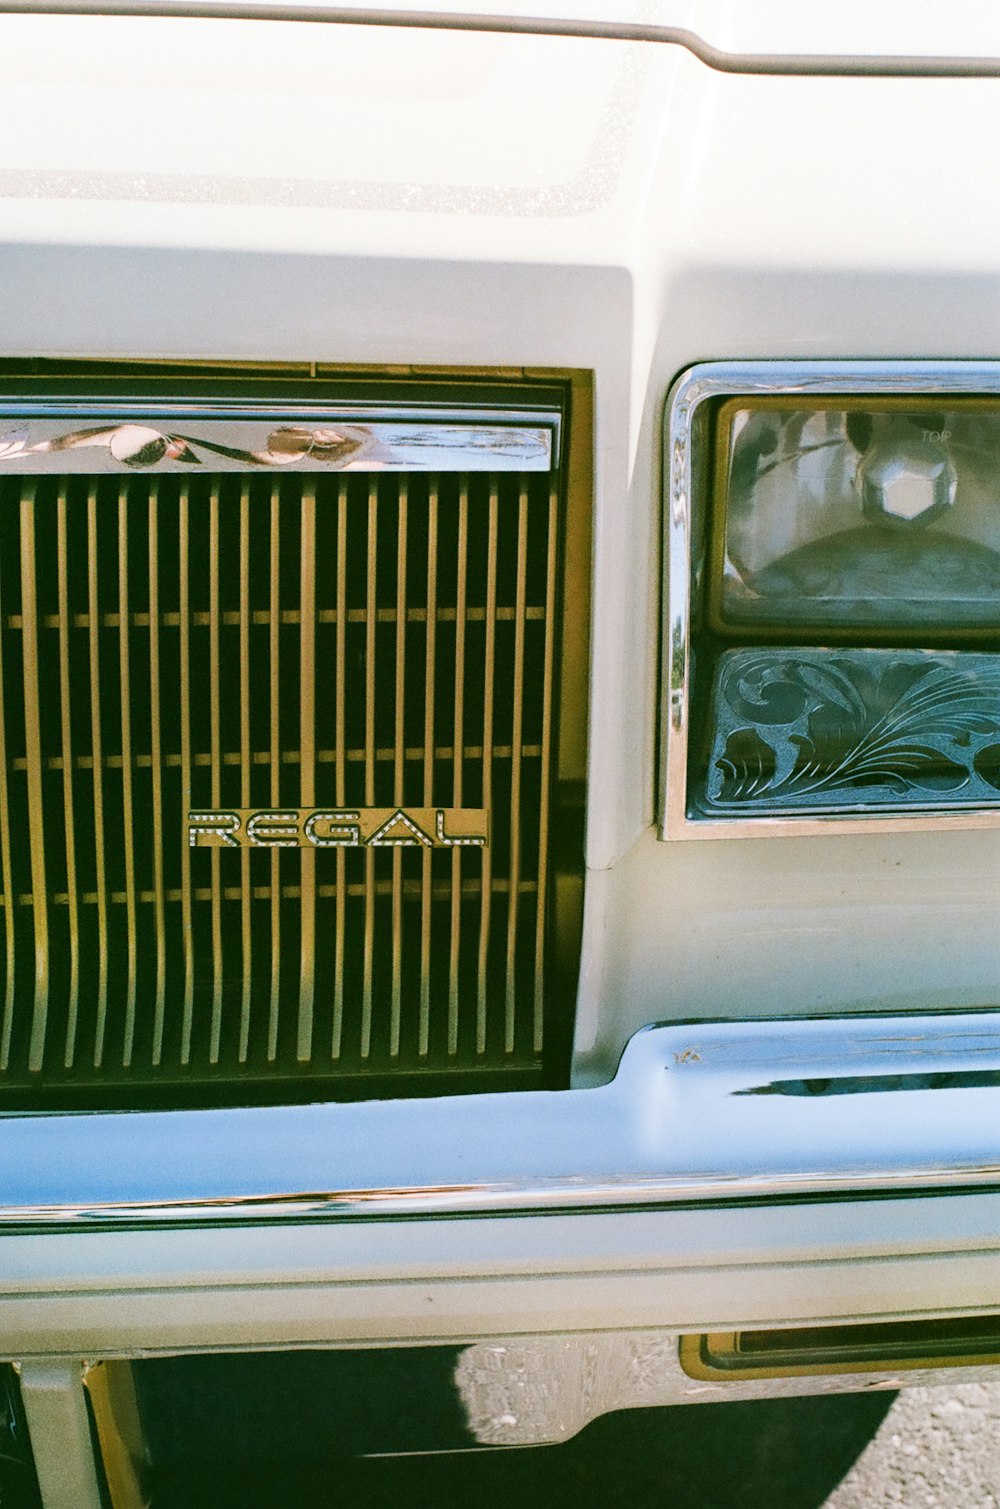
x=805, y=729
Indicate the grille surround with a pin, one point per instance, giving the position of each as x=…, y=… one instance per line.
x=181, y=568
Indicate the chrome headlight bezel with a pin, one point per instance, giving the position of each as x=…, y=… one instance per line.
x=691, y=435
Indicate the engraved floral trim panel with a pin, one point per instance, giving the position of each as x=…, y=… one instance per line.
x=807, y=730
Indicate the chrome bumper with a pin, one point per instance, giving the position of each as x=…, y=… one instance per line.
x=696, y=1114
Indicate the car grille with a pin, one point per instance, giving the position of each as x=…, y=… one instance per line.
x=183, y=643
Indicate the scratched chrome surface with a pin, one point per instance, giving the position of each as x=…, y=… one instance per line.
x=696, y=1113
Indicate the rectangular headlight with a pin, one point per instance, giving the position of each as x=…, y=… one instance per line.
x=833, y=538
x=857, y=515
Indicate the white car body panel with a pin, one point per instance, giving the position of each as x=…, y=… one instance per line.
x=247, y=190
x=966, y=29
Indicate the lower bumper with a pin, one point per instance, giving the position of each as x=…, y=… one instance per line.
x=732, y=1176
x=706, y=1113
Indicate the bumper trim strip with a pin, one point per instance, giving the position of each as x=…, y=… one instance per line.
x=690, y=1117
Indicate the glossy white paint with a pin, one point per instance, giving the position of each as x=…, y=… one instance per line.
x=95, y=1294
x=249, y=190
x=59, y=1426
x=361, y=194
x=883, y=29
x=890, y=922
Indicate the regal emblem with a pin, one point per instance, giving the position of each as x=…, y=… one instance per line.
x=340, y=828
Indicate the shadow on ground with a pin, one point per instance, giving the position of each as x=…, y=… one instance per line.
x=787, y=1454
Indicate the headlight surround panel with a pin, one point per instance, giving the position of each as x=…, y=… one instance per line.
x=833, y=598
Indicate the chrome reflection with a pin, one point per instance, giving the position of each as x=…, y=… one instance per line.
x=880, y=1084
x=691, y=1117
x=41, y=439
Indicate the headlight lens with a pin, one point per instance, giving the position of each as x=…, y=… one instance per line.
x=854, y=514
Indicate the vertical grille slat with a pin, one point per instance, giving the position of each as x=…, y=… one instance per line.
x=340, y=736
x=128, y=841
x=307, y=766
x=458, y=759
x=33, y=756
x=398, y=786
x=237, y=648
x=184, y=636
x=489, y=672
x=72, y=902
x=544, y=798
x=513, y=898
x=97, y=766
x=156, y=781
x=6, y=862
x=274, y=643
x=246, y=898
x=215, y=740
x=371, y=686
x=427, y=790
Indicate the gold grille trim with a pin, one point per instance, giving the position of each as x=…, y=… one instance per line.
x=356, y=673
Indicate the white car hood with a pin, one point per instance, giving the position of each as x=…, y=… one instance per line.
x=726, y=32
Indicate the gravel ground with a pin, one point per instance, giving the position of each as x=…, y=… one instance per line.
x=937, y=1448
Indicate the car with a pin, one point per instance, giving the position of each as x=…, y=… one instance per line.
x=530, y=475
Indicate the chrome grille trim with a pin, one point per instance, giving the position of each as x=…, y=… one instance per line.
x=92, y=436
x=195, y=636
